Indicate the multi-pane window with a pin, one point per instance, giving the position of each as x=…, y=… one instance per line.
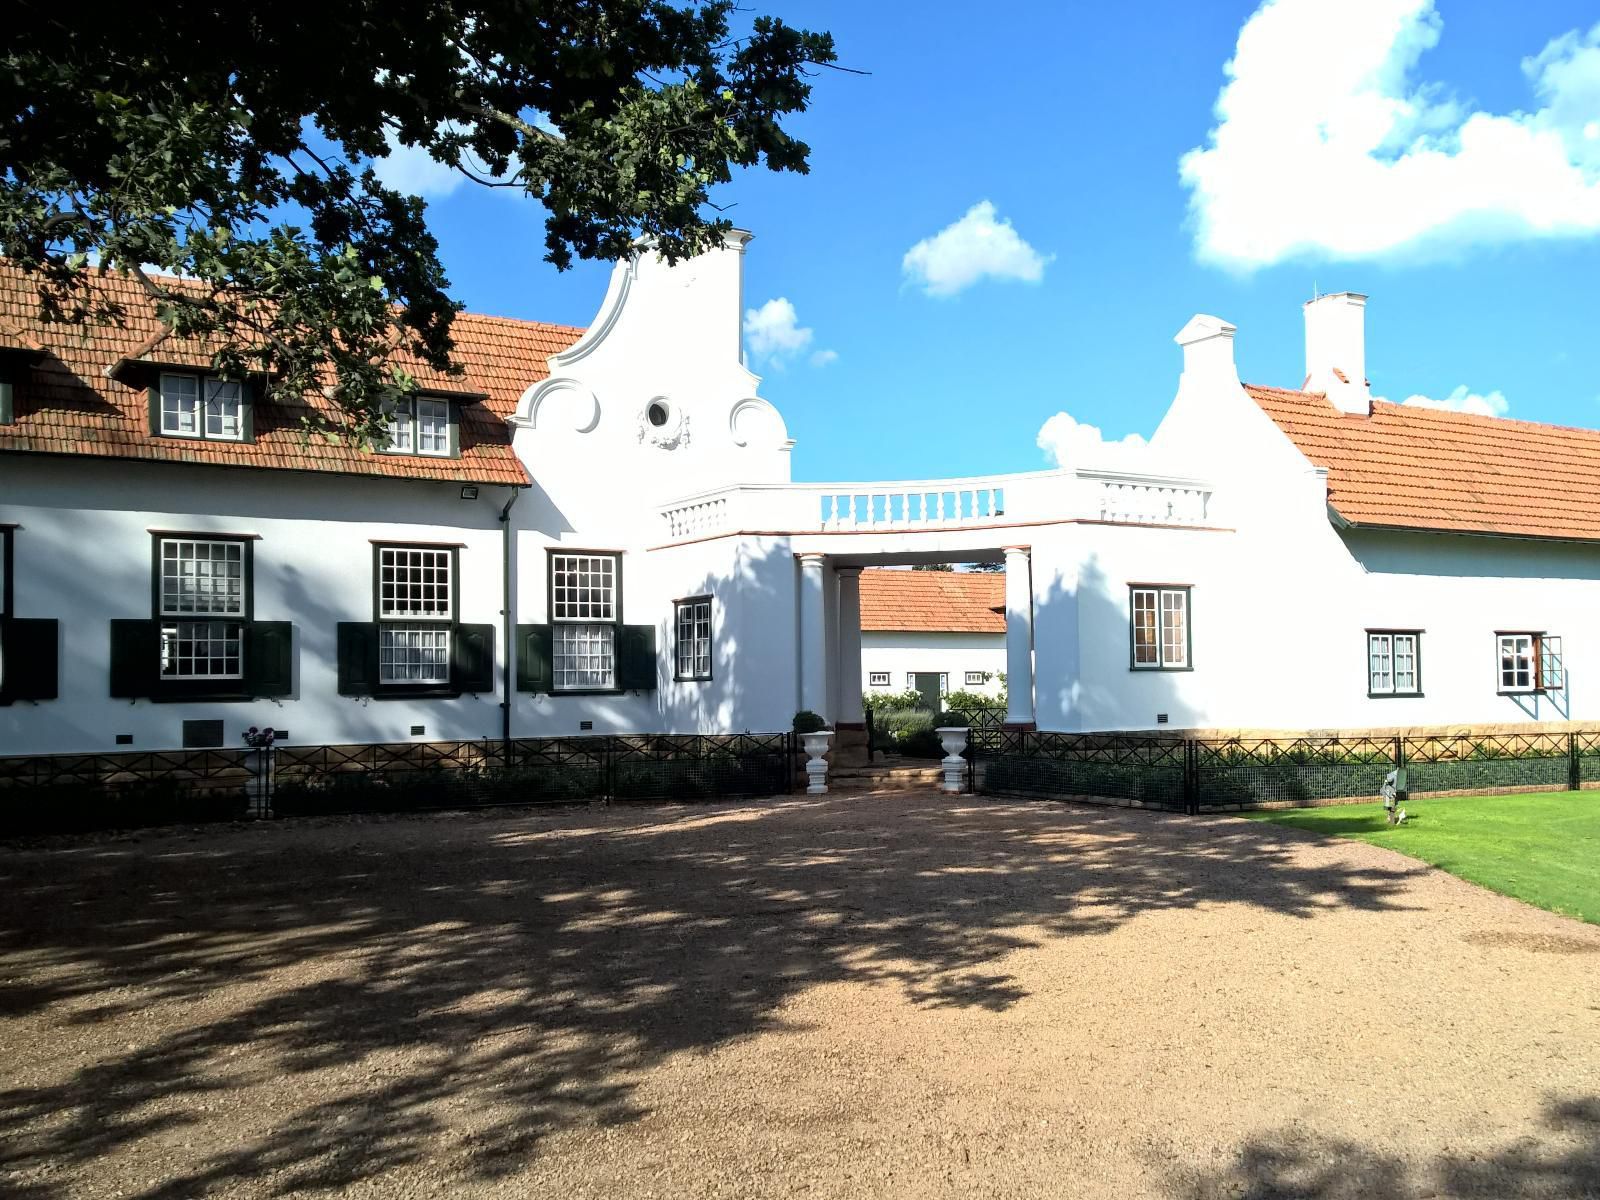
x=1159, y=624
x=414, y=654
x=585, y=657
x=1394, y=663
x=694, y=638
x=584, y=612
x=416, y=604
x=1516, y=662
x=418, y=425
x=976, y=678
x=878, y=679
x=1530, y=662
x=205, y=583
x=414, y=581
x=202, y=406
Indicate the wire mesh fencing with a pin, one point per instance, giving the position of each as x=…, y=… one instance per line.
x=76, y=793
x=1230, y=774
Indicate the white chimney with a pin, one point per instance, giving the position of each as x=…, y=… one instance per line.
x=1207, y=353
x=1336, y=351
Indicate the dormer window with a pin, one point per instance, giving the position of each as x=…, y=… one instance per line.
x=420, y=425
x=202, y=407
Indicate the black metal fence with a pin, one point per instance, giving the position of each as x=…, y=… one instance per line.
x=986, y=725
x=74, y=793
x=1221, y=774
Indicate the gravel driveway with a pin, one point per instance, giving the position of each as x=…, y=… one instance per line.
x=887, y=996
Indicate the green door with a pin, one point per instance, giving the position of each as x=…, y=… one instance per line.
x=927, y=685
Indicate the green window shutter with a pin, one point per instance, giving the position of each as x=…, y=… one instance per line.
x=7, y=407
x=247, y=414
x=269, y=658
x=29, y=659
x=534, y=652
x=135, y=658
x=472, y=658
x=636, y=658
x=153, y=397
x=455, y=429
x=358, y=658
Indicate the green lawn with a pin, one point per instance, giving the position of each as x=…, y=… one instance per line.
x=1542, y=848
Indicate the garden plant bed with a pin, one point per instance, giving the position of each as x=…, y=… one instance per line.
x=901, y=995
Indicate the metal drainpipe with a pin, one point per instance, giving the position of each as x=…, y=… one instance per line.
x=508, y=687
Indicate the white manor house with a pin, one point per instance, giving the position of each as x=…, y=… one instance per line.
x=596, y=530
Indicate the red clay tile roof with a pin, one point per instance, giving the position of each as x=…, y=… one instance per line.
x=65, y=404
x=933, y=601
x=1421, y=468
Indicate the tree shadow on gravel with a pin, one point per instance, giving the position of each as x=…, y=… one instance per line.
x=378, y=987
x=1294, y=1166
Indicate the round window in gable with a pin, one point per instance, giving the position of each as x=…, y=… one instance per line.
x=658, y=414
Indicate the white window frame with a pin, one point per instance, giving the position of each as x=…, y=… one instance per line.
x=1387, y=642
x=877, y=678
x=585, y=615
x=436, y=566
x=975, y=678
x=194, y=615
x=1161, y=600
x=415, y=594
x=1530, y=661
x=208, y=408
x=420, y=425
x=1546, y=670
x=693, y=647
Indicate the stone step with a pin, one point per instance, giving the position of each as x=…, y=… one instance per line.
x=881, y=778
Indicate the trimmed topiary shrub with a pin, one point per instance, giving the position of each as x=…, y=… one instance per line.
x=806, y=721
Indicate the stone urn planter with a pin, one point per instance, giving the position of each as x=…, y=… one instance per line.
x=953, y=739
x=816, y=745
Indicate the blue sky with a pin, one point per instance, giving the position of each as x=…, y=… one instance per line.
x=1442, y=157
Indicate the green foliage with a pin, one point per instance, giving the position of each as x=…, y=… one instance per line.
x=806, y=721
x=975, y=702
x=920, y=743
x=411, y=791
x=905, y=720
x=881, y=702
x=82, y=807
x=233, y=147
x=908, y=731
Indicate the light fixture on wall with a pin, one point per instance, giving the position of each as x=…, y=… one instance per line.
x=470, y=492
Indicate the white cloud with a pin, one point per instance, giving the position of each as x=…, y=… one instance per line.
x=1068, y=442
x=412, y=170
x=978, y=246
x=1493, y=404
x=1328, y=146
x=775, y=336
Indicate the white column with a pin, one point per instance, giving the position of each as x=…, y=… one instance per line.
x=813, y=636
x=1019, y=637
x=850, y=710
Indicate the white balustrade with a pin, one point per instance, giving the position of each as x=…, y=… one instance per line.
x=696, y=518
x=934, y=504
x=1138, y=501
x=889, y=507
